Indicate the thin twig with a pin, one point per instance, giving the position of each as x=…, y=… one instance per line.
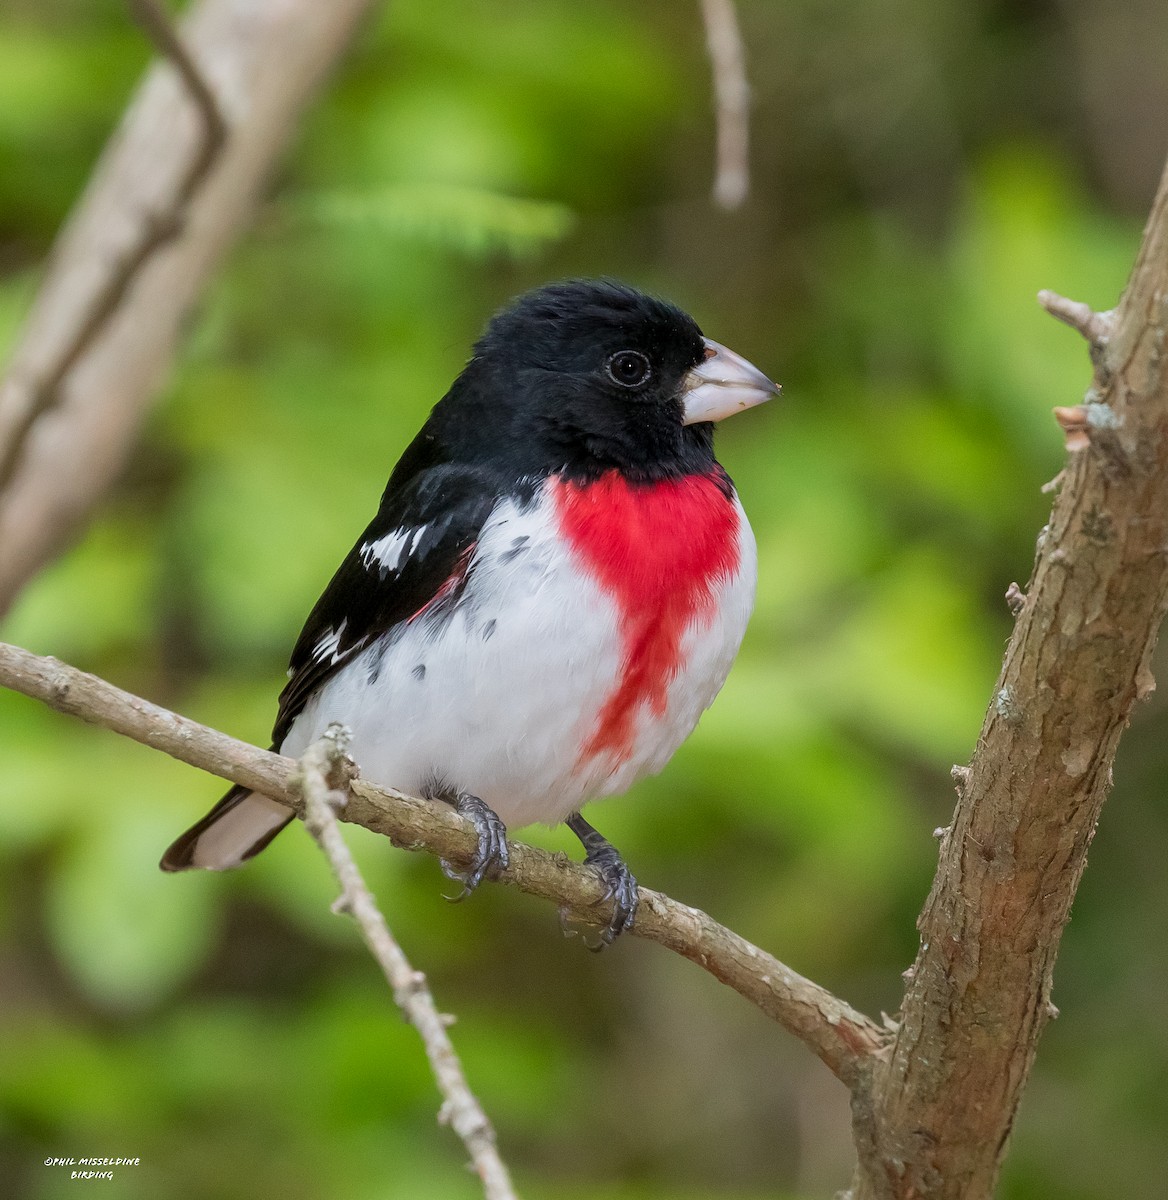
x=151, y=17
x=841, y=1036
x=460, y=1108
x=1096, y=327
x=731, y=102
x=157, y=228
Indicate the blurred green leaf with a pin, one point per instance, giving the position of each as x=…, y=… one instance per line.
x=125, y=930
x=477, y=222
x=894, y=666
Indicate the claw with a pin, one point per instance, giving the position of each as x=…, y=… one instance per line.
x=620, y=883
x=491, y=856
x=626, y=898
x=622, y=891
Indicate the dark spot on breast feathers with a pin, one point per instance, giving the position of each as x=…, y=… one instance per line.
x=374, y=669
x=488, y=629
x=518, y=546
x=419, y=672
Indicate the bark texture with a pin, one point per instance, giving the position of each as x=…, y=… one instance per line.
x=934, y=1120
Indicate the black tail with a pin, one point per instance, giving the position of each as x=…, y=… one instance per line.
x=236, y=829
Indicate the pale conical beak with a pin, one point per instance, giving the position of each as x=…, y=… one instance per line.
x=722, y=385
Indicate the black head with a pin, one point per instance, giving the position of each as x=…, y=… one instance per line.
x=580, y=378
x=598, y=337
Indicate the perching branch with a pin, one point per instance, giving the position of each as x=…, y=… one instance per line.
x=460, y=1109
x=165, y=204
x=731, y=102
x=934, y=1122
x=842, y=1037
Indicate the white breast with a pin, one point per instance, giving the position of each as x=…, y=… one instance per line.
x=498, y=697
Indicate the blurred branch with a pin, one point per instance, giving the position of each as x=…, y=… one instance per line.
x=731, y=102
x=23, y=402
x=933, y=1120
x=460, y=1108
x=165, y=203
x=842, y=1037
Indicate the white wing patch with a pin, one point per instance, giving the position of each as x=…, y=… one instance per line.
x=328, y=646
x=387, y=552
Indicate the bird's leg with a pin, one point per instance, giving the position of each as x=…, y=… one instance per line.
x=491, y=856
x=600, y=853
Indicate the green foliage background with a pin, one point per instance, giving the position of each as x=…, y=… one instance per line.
x=922, y=167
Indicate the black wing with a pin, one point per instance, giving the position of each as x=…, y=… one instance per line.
x=419, y=541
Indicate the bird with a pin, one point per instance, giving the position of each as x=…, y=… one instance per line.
x=553, y=590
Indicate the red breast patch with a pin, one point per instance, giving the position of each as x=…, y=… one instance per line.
x=658, y=550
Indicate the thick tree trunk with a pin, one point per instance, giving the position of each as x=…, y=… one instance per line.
x=935, y=1118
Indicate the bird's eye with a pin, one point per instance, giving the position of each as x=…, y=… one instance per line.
x=628, y=368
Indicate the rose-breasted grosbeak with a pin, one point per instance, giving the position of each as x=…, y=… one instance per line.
x=552, y=591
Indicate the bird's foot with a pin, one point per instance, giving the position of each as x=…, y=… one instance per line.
x=490, y=857
x=620, y=883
